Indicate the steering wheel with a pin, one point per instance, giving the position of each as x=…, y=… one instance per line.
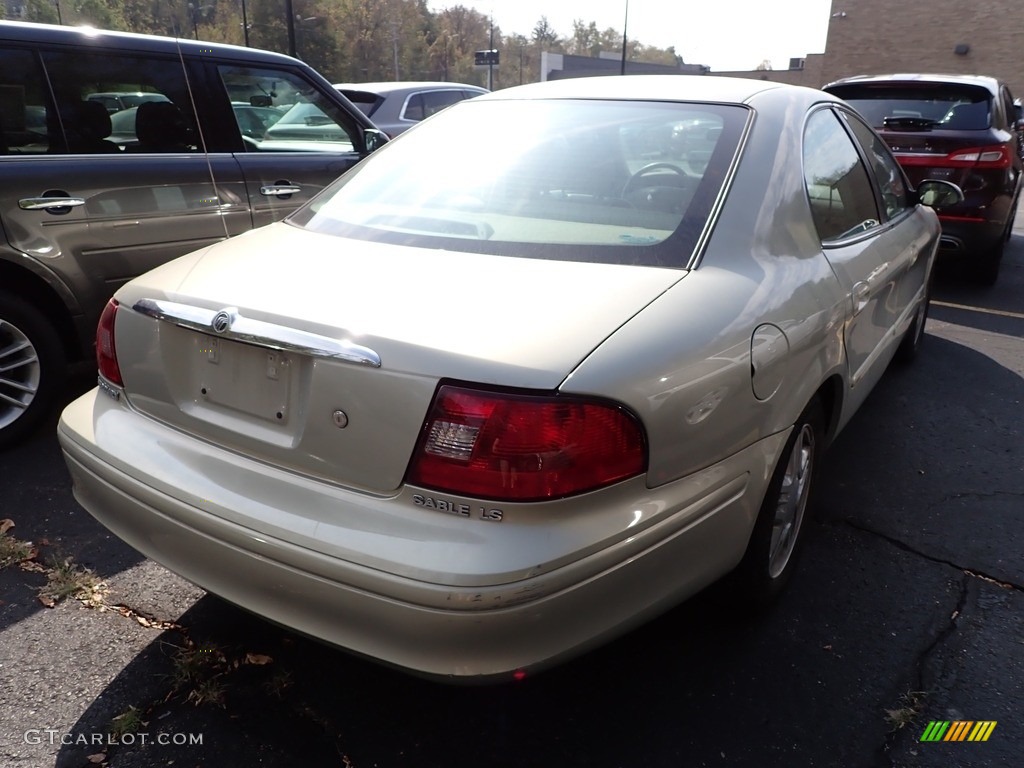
x=635, y=180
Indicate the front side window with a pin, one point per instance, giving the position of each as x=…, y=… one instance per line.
x=621, y=182
x=122, y=103
x=891, y=182
x=838, y=187
x=28, y=123
x=278, y=111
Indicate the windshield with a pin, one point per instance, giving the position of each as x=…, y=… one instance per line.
x=944, y=106
x=624, y=182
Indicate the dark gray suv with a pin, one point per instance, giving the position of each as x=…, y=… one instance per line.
x=93, y=197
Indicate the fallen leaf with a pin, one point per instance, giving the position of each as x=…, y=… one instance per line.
x=258, y=659
x=5, y=525
x=49, y=602
x=99, y=757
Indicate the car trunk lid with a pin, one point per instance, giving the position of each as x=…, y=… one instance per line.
x=329, y=350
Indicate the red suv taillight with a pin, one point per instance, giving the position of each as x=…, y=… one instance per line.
x=995, y=156
x=515, y=447
x=106, y=353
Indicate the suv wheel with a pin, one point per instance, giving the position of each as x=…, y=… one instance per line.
x=987, y=269
x=32, y=364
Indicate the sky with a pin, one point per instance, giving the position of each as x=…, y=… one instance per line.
x=723, y=34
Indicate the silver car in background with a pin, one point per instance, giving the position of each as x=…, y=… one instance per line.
x=557, y=360
x=395, y=107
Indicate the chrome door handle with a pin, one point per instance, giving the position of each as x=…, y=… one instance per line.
x=860, y=294
x=47, y=203
x=280, y=190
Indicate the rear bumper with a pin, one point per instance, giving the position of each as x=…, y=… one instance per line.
x=962, y=239
x=436, y=627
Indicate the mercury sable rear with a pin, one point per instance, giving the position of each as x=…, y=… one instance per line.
x=554, y=362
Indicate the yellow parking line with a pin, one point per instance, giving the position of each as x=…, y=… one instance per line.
x=1000, y=312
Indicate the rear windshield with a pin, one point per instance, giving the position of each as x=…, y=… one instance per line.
x=609, y=181
x=919, y=106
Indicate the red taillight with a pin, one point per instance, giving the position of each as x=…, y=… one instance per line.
x=106, y=353
x=515, y=447
x=995, y=156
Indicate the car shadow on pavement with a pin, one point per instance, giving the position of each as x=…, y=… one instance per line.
x=912, y=493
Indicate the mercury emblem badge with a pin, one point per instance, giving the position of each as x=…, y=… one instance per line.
x=221, y=322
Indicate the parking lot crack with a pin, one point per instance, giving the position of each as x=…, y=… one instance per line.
x=970, y=571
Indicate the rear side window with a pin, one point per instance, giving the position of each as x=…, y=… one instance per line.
x=113, y=102
x=28, y=123
x=920, y=106
x=838, y=187
x=891, y=182
x=427, y=103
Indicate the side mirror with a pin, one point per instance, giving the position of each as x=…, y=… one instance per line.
x=936, y=193
x=374, y=139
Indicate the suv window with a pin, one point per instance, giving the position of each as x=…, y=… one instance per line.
x=838, y=187
x=279, y=111
x=25, y=113
x=162, y=121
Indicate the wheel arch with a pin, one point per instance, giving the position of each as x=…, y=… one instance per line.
x=830, y=395
x=42, y=294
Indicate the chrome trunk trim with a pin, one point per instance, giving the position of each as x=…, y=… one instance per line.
x=257, y=332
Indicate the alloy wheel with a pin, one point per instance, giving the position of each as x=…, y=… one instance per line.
x=19, y=373
x=792, y=502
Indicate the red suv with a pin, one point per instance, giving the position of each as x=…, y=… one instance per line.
x=961, y=128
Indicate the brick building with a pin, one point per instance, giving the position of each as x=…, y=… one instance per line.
x=878, y=36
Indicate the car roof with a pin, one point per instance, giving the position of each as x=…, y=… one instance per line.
x=708, y=88
x=83, y=37
x=393, y=86
x=991, y=83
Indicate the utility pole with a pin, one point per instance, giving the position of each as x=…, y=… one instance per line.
x=625, y=22
x=490, y=65
x=289, y=13
x=245, y=24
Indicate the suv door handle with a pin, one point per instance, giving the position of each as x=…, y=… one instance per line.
x=860, y=295
x=49, y=203
x=280, y=189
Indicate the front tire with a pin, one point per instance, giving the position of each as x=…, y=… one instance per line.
x=32, y=368
x=777, y=538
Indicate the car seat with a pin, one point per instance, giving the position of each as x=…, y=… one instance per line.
x=160, y=127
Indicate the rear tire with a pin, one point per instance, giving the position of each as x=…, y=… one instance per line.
x=987, y=270
x=777, y=538
x=32, y=368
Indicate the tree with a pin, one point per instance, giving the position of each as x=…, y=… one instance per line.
x=543, y=35
x=586, y=40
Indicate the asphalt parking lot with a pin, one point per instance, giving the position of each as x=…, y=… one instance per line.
x=907, y=609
